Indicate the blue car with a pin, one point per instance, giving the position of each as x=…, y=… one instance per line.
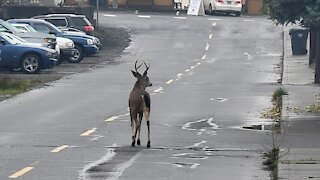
x=84, y=44
x=29, y=57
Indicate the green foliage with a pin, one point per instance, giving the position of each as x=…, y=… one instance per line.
x=291, y=11
x=14, y=86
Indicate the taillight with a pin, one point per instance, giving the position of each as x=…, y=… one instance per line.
x=238, y=2
x=88, y=28
x=220, y=1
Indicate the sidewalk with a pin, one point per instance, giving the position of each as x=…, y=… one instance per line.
x=300, y=137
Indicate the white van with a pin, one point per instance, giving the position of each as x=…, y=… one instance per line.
x=224, y=6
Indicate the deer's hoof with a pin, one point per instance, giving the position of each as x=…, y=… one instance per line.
x=132, y=144
x=148, y=145
x=138, y=142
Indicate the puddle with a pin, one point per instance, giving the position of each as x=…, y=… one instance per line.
x=189, y=156
x=260, y=127
x=219, y=99
x=206, y=126
x=188, y=165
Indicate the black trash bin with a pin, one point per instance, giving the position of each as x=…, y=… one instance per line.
x=299, y=39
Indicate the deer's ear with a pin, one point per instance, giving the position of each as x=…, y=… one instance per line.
x=135, y=74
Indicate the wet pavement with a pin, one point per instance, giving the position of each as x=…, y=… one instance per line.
x=298, y=142
x=212, y=76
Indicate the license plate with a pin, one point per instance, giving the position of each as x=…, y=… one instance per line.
x=229, y=2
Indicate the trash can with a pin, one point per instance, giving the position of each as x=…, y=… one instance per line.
x=299, y=39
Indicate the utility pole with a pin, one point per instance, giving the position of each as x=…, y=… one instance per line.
x=97, y=23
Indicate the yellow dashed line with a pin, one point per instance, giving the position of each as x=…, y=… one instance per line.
x=21, y=172
x=58, y=149
x=87, y=133
x=112, y=118
x=204, y=57
x=170, y=81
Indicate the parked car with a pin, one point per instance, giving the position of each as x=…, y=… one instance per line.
x=66, y=46
x=47, y=40
x=69, y=20
x=224, y=6
x=84, y=44
x=16, y=53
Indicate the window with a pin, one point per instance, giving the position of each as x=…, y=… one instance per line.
x=42, y=28
x=58, y=22
x=80, y=21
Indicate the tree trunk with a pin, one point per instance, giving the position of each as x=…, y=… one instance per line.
x=317, y=60
x=313, y=46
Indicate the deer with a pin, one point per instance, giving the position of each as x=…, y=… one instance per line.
x=139, y=103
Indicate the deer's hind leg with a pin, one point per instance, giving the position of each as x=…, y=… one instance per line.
x=140, y=115
x=133, y=128
x=147, y=115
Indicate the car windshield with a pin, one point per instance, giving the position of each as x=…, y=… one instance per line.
x=12, y=39
x=5, y=27
x=25, y=27
x=81, y=21
x=55, y=28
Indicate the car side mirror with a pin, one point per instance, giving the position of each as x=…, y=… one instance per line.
x=52, y=32
x=2, y=42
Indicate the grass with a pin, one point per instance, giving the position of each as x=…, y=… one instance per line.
x=12, y=86
x=272, y=162
x=274, y=113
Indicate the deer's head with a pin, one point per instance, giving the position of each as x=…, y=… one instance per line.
x=142, y=80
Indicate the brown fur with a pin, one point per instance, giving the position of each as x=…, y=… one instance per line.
x=139, y=104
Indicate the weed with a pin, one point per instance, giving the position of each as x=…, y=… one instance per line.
x=12, y=86
x=314, y=108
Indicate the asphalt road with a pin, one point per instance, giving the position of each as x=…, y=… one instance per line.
x=211, y=76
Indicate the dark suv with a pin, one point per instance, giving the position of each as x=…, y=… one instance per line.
x=69, y=20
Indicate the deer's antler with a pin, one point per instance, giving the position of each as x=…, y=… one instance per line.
x=147, y=67
x=135, y=65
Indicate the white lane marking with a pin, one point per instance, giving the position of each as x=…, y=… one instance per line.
x=109, y=15
x=210, y=36
x=249, y=57
x=21, y=172
x=214, y=24
x=142, y=16
x=213, y=19
x=170, y=81
x=207, y=47
x=179, y=76
x=180, y=17
x=199, y=143
x=96, y=137
x=123, y=167
x=60, y=148
x=204, y=57
x=249, y=20
x=83, y=173
x=158, y=90
x=89, y=132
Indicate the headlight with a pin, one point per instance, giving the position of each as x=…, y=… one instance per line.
x=49, y=54
x=48, y=40
x=69, y=44
x=96, y=40
x=89, y=41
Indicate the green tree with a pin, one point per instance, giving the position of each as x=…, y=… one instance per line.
x=305, y=11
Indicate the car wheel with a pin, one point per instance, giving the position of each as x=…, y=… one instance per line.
x=238, y=13
x=210, y=10
x=78, y=55
x=31, y=64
